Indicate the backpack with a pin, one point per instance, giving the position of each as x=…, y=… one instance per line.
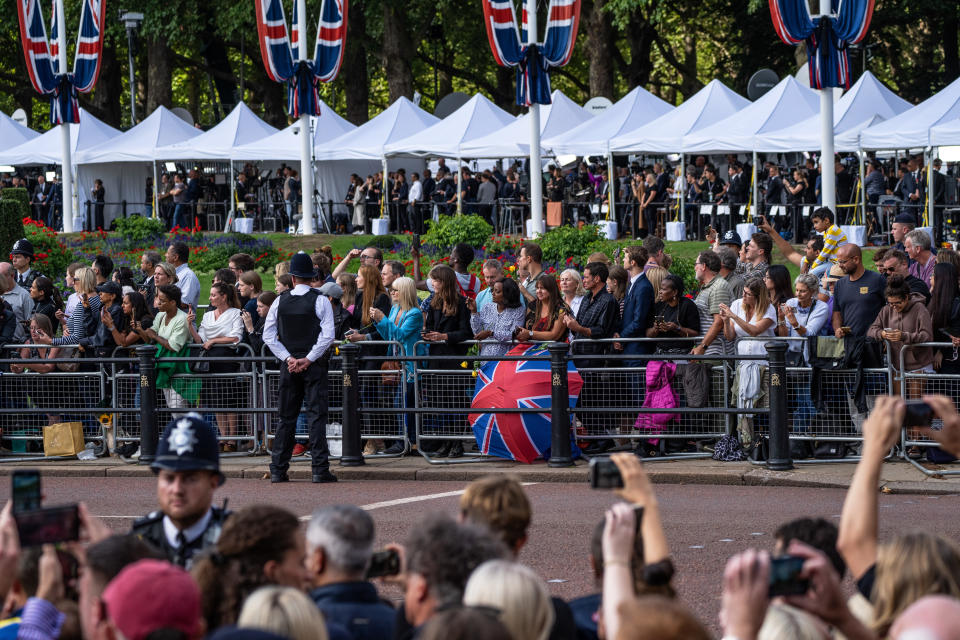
x=472, y=288
x=728, y=449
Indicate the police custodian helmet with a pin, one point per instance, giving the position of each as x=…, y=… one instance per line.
x=23, y=247
x=188, y=443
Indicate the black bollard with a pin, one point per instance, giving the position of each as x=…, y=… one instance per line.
x=149, y=432
x=779, y=459
x=351, y=455
x=559, y=407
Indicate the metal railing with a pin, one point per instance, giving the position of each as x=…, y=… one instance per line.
x=913, y=386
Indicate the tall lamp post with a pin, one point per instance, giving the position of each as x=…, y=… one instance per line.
x=131, y=20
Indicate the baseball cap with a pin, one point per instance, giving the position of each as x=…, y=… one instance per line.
x=905, y=218
x=150, y=595
x=331, y=290
x=110, y=287
x=731, y=237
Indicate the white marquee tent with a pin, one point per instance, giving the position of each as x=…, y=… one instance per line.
x=475, y=119
x=556, y=118
x=867, y=102
x=12, y=133
x=125, y=161
x=912, y=128
x=634, y=110
x=45, y=148
x=665, y=134
x=946, y=134
x=786, y=104
x=240, y=127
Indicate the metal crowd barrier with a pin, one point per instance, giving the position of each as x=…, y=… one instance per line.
x=913, y=386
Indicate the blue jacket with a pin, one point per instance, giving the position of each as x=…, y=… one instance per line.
x=407, y=334
x=356, y=606
x=636, y=309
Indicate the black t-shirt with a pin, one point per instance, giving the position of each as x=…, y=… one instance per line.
x=685, y=314
x=860, y=301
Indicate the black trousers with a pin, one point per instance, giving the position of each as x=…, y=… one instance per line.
x=309, y=386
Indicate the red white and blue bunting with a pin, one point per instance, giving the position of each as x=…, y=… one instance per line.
x=280, y=50
x=533, y=62
x=41, y=55
x=826, y=37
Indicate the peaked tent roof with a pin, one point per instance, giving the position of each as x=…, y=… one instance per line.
x=139, y=143
x=912, y=128
x=239, y=127
x=665, y=134
x=865, y=104
x=556, y=118
x=12, y=133
x=475, y=119
x=632, y=111
x=367, y=141
x=781, y=107
x=45, y=149
x=285, y=144
x=946, y=134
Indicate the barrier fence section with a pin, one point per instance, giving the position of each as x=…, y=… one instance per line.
x=913, y=386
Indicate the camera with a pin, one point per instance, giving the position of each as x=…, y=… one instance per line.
x=37, y=525
x=604, y=474
x=917, y=413
x=383, y=563
x=785, y=576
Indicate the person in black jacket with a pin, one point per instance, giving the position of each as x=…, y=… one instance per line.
x=446, y=325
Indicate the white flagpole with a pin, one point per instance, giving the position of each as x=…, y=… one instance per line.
x=306, y=166
x=536, y=171
x=65, y=156
x=828, y=175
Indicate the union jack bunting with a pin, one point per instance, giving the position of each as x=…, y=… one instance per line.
x=826, y=37
x=43, y=65
x=533, y=62
x=280, y=50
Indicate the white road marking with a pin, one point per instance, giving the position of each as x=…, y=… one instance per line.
x=726, y=540
x=696, y=546
x=757, y=533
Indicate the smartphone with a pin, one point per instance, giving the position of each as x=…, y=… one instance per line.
x=604, y=474
x=26, y=490
x=383, y=563
x=659, y=319
x=846, y=330
x=48, y=526
x=784, y=576
x=917, y=414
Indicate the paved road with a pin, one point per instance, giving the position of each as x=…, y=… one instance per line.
x=705, y=524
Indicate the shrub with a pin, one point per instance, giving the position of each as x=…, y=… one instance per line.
x=450, y=230
x=51, y=256
x=570, y=242
x=136, y=229
x=18, y=194
x=210, y=255
x=683, y=267
x=12, y=213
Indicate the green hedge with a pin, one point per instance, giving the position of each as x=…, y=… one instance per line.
x=12, y=212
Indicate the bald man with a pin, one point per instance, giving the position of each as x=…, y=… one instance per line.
x=929, y=618
x=858, y=297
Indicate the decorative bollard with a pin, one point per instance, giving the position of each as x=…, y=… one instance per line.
x=149, y=432
x=779, y=458
x=559, y=407
x=352, y=455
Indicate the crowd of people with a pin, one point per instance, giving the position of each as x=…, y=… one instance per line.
x=191, y=570
x=629, y=305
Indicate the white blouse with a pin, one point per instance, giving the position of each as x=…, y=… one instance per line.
x=229, y=324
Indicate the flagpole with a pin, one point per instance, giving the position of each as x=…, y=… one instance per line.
x=536, y=171
x=66, y=161
x=828, y=175
x=306, y=167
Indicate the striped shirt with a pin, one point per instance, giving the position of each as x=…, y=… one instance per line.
x=833, y=239
x=77, y=322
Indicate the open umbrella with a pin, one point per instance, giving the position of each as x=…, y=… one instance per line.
x=518, y=384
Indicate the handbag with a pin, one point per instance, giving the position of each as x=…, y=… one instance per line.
x=69, y=367
x=696, y=383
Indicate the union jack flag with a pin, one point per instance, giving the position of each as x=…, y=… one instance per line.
x=522, y=384
x=533, y=62
x=41, y=55
x=280, y=50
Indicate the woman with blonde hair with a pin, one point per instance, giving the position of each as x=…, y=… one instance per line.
x=517, y=592
x=86, y=314
x=571, y=286
x=285, y=611
x=655, y=276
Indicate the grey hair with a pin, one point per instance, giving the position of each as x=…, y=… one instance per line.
x=345, y=533
x=809, y=281
x=919, y=238
x=493, y=263
x=728, y=257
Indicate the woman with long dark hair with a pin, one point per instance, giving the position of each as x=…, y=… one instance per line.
x=944, y=308
x=135, y=312
x=545, y=320
x=446, y=327
x=46, y=300
x=779, y=289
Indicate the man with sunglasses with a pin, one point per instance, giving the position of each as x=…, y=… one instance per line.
x=369, y=256
x=897, y=262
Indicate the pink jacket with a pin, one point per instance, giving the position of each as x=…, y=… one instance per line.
x=659, y=395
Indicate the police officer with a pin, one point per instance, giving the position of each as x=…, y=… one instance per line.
x=22, y=259
x=188, y=472
x=299, y=330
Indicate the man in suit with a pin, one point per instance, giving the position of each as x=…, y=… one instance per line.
x=909, y=191
x=41, y=200
x=637, y=304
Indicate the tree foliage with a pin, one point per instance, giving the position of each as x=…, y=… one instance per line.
x=204, y=56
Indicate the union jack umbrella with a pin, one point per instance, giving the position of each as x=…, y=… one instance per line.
x=533, y=62
x=280, y=49
x=43, y=65
x=826, y=37
x=518, y=384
